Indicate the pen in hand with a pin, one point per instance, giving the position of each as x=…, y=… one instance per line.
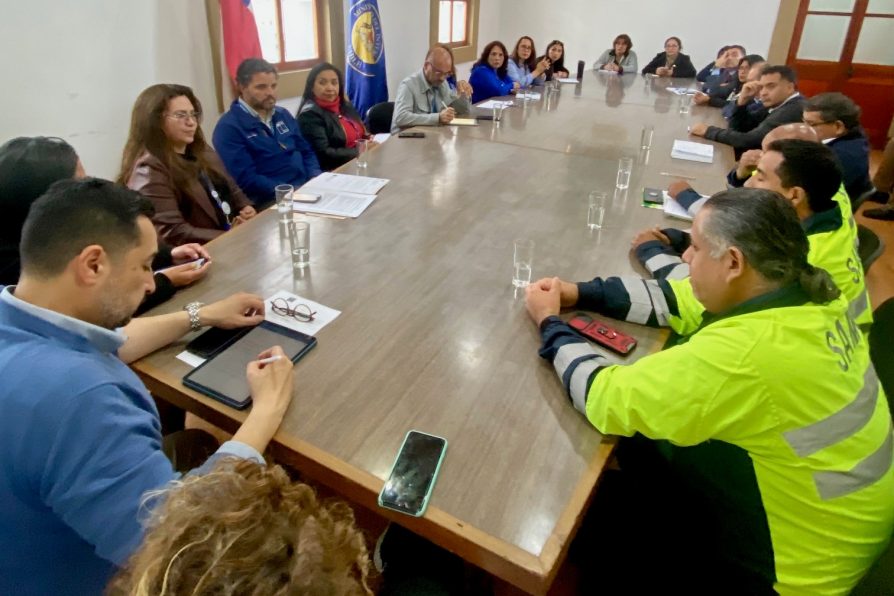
x=269, y=360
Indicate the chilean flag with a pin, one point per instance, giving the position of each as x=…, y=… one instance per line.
x=240, y=34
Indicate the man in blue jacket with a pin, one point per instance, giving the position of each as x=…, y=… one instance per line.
x=80, y=437
x=259, y=142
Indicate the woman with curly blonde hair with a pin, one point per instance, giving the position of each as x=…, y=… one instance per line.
x=246, y=529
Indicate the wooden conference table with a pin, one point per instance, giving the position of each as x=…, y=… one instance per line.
x=433, y=337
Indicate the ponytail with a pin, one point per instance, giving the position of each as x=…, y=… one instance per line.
x=818, y=284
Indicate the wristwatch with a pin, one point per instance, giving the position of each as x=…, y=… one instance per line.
x=192, y=310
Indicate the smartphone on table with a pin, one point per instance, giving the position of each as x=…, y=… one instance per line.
x=412, y=478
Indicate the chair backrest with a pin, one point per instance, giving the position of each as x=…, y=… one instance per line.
x=871, y=246
x=862, y=198
x=378, y=117
x=881, y=351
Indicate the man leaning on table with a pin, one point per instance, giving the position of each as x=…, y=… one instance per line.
x=80, y=437
x=767, y=427
x=425, y=99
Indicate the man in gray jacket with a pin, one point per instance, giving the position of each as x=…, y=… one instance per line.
x=426, y=99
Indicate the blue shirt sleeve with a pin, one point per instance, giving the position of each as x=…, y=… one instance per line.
x=518, y=75
x=487, y=84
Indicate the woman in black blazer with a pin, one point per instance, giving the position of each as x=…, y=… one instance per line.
x=328, y=120
x=670, y=62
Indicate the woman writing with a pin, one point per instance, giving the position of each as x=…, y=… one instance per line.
x=620, y=58
x=489, y=76
x=167, y=160
x=523, y=68
x=328, y=120
x=671, y=62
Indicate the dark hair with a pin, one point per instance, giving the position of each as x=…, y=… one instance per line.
x=765, y=227
x=531, y=62
x=675, y=38
x=250, y=67
x=626, y=39
x=812, y=167
x=835, y=106
x=74, y=214
x=720, y=51
x=28, y=166
x=501, y=71
x=751, y=59
x=147, y=136
x=555, y=66
x=347, y=108
x=784, y=72
x=737, y=46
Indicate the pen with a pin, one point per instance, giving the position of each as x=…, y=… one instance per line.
x=269, y=360
x=678, y=176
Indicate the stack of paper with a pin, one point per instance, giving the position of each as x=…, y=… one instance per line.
x=492, y=103
x=529, y=95
x=342, y=195
x=681, y=90
x=464, y=122
x=675, y=209
x=569, y=80
x=693, y=151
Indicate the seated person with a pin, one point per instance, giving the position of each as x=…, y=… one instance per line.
x=883, y=181
x=759, y=472
x=425, y=99
x=836, y=119
x=555, y=53
x=246, y=528
x=755, y=111
x=671, y=62
x=328, y=120
x=80, y=437
x=620, y=58
x=721, y=94
x=489, y=77
x=778, y=94
x=523, y=67
x=259, y=142
x=167, y=160
x=723, y=68
x=28, y=167
x=808, y=175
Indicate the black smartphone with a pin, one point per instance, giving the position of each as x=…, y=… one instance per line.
x=653, y=195
x=214, y=340
x=411, y=135
x=412, y=478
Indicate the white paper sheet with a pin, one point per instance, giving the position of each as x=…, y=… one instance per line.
x=324, y=315
x=381, y=137
x=344, y=183
x=682, y=90
x=190, y=358
x=674, y=209
x=463, y=122
x=569, y=80
x=693, y=151
x=530, y=95
x=492, y=103
x=340, y=204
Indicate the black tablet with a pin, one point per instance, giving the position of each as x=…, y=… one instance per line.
x=223, y=375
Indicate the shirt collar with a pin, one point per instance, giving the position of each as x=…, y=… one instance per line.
x=102, y=339
x=788, y=99
x=268, y=122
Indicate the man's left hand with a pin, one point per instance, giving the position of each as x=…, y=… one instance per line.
x=649, y=235
x=543, y=300
x=698, y=130
x=464, y=88
x=189, y=252
x=238, y=310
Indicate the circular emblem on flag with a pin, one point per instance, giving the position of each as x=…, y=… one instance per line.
x=366, y=36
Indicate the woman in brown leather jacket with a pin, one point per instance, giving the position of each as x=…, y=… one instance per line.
x=167, y=160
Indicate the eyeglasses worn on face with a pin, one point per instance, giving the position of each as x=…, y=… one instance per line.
x=440, y=73
x=815, y=124
x=183, y=115
x=301, y=312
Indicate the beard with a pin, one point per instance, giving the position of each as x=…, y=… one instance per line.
x=114, y=310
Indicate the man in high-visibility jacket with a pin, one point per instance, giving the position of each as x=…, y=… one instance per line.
x=808, y=175
x=770, y=412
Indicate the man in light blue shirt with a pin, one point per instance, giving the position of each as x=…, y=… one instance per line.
x=80, y=438
x=425, y=99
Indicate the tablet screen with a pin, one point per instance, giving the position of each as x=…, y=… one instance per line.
x=225, y=373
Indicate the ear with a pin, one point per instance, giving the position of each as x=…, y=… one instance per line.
x=91, y=265
x=798, y=198
x=840, y=129
x=734, y=262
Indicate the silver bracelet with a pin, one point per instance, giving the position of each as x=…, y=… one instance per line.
x=192, y=309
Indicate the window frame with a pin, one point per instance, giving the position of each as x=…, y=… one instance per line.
x=464, y=51
x=465, y=40
x=319, y=40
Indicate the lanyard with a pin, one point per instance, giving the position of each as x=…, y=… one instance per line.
x=224, y=206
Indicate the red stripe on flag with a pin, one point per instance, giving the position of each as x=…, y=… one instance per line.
x=240, y=34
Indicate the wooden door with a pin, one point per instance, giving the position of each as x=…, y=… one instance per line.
x=846, y=46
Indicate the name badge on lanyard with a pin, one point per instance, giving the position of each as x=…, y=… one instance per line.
x=224, y=205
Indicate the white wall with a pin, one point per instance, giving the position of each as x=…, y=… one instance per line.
x=405, y=27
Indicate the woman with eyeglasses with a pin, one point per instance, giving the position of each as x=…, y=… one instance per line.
x=28, y=167
x=620, y=58
x=328, y=120
x=555, y=53
x=523, y=67
x=167, y=160
x=671, y=62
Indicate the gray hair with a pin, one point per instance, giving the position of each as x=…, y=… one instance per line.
x=765, y=227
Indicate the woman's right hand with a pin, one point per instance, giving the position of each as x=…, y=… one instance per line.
x=271, y=384
x=541, y=67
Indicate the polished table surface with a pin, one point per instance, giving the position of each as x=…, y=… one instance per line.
x=433, y=337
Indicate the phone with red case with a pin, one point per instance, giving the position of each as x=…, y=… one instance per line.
x=602, y=334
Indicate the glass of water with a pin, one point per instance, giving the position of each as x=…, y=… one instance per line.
x=645, y=137
x=299, y=241
x=498, y=112
x=625, y=167
x=685, y=103
x=596, y=201
x=284, y=193
x=362, y=148
x=522, y=259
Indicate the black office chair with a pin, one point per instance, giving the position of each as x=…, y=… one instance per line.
x=862, y=198
x=378, y=117
x=871, y=246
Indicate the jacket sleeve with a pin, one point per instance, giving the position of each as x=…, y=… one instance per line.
x=237, y=197
x=684, y=68
x=308, y=155
x=601, y=61
x=661, y=260
x=164, y=290
x=460, y=103
x=630, y=62
x=750, y=139
x=518, y=75
x=487, y=84
x=313, y=129
x=404, y=116
x=704, y=73
x=151, y=181
x=652, y=66
x=231, y=145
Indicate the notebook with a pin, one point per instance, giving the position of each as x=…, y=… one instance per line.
x=693, y=151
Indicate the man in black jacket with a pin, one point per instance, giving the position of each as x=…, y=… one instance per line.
x=779, y=95
x=836, y=120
